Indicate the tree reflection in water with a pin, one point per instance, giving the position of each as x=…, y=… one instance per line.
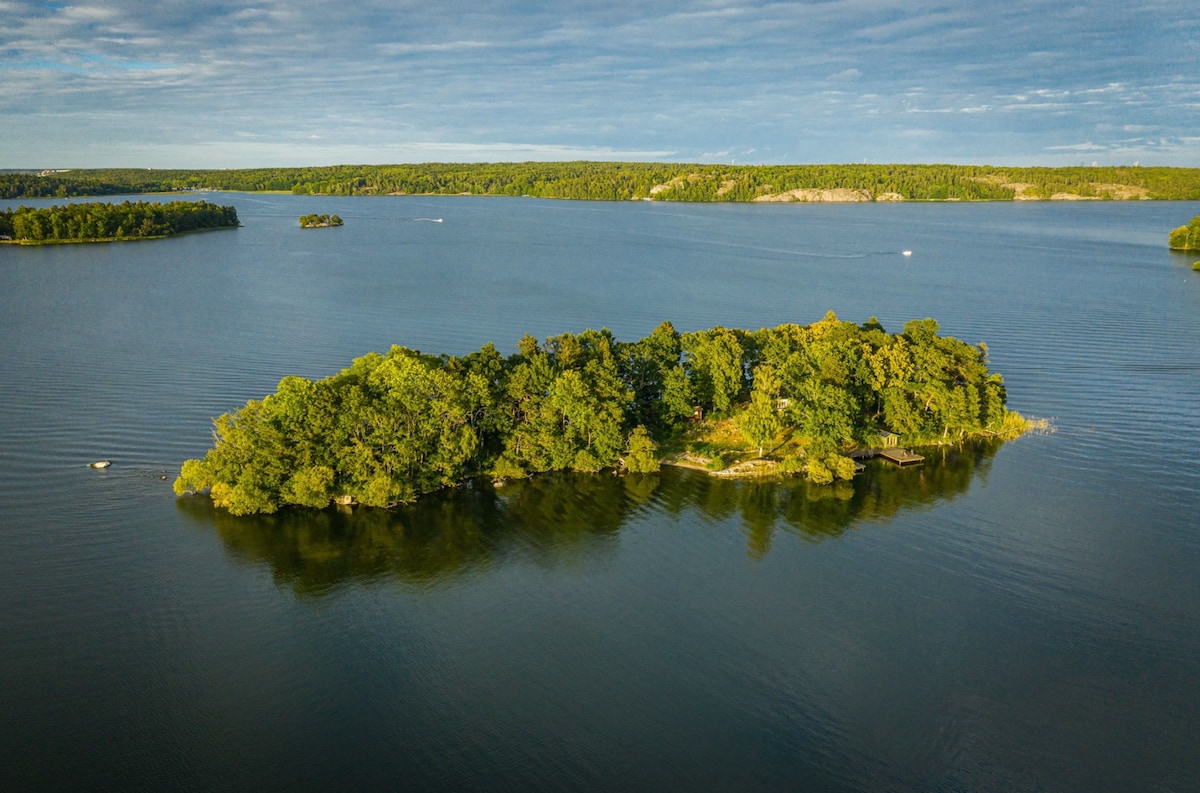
x=558, y=519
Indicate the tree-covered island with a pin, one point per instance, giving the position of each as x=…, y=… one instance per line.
x=393, y=427
x=315, y=221
x=98, y=222
x=1186, y=238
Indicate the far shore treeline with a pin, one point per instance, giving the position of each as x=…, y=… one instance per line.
x=615, y=181
x=100, y=222
x=393, y=427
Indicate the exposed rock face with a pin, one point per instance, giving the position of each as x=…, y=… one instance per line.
x=1024, y=191
x=678, y=180
x=1123, y=192
x=813, y=195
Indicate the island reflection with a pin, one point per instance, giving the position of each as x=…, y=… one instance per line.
x=557, y=519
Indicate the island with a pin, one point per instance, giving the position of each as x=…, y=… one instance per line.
x=315, y=221
x=796, y=399
x=1186, y=238
x=100, y=222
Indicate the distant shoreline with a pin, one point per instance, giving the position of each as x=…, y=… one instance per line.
x=638, y=181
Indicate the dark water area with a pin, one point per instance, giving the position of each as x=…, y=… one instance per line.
x=1007, y=617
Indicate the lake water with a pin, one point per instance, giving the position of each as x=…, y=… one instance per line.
x=1022, y=617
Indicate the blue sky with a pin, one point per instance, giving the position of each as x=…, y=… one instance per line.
x=227, y=83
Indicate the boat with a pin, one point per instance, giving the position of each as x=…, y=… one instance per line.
x=101, y=464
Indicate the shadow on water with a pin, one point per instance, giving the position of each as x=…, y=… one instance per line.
x=556, y=520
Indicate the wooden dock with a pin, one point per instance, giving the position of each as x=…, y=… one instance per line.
x=901, y=457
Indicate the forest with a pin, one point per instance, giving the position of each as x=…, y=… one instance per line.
x=393, y=427
x=617, y=181
x=102, y=222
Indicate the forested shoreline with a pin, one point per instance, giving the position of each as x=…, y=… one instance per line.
x=105, y=222
x=393, y=427
x=616, y=181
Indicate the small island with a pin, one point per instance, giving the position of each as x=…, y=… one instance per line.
x=315, y=221
x=790, y=400
x=1186, y=238
x=103, y=222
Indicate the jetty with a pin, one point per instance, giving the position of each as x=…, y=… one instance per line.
x=891, y=452
x=894, y=454
x=901, y=456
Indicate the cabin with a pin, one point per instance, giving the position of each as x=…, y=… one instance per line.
x=888, y=439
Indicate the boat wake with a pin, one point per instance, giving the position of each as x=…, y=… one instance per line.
x=864, y=255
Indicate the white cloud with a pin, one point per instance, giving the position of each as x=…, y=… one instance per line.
x=794, y=81
x=1089, y=146
x=400, y=48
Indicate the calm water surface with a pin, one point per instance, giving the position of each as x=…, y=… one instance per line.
x=1022, y=617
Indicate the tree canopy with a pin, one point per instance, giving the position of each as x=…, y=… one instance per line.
x=392, y=427
x=1186, y=238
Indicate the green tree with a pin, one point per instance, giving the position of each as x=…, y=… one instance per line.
x=678, y=398
x=1186, y=238
x=760, y=421
x=644, y=367
x=640, y=452
x=714, y=365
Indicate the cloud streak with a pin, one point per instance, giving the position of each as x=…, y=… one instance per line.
x=214, y=83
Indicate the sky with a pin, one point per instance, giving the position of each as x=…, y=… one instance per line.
x=234, y=84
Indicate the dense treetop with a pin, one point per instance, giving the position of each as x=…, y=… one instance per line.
x=1186, y=238
x=96, y=222
x=392, y=427
x=626, y=181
